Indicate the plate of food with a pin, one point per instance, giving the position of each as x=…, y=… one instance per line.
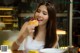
x=51, y=50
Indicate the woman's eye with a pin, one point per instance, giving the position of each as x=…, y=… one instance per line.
x=44, y=13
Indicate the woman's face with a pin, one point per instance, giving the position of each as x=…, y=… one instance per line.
x=42, y=15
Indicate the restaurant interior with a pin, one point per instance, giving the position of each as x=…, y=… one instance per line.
x=13, y=14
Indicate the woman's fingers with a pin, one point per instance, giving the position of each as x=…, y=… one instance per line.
x=27, y=28
x=31, y=28
x=32, y=31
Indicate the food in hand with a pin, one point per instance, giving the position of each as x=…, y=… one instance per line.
x=33, y=22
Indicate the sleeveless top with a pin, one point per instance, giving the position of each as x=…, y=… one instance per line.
x=30, y=44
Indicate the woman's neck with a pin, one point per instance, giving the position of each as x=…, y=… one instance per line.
x=42, y=28
x=41, y=33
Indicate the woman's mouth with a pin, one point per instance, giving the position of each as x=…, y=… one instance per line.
x=40, y=20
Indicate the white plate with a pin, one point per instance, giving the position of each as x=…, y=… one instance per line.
x=51, y=50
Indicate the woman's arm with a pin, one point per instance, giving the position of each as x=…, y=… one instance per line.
x=16, y=44
x=22, y=34
x=27, y=29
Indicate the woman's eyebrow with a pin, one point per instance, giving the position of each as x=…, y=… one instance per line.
x=42, y=11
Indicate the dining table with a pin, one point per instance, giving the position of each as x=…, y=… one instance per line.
x=70, y=50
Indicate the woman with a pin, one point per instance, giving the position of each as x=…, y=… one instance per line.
x=41, y=36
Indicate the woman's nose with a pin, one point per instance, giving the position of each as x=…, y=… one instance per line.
x=40, y=14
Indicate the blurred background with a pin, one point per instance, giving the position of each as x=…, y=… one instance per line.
x=13, y=13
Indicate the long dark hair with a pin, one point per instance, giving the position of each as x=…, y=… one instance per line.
x=51, y=37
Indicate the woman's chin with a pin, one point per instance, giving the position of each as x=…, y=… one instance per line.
x=41, y=24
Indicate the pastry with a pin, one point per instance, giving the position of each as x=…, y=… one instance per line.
x=33, y=22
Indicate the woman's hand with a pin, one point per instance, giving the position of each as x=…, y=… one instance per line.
x=31, y=29
x=31, y=26
x=27, y=29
